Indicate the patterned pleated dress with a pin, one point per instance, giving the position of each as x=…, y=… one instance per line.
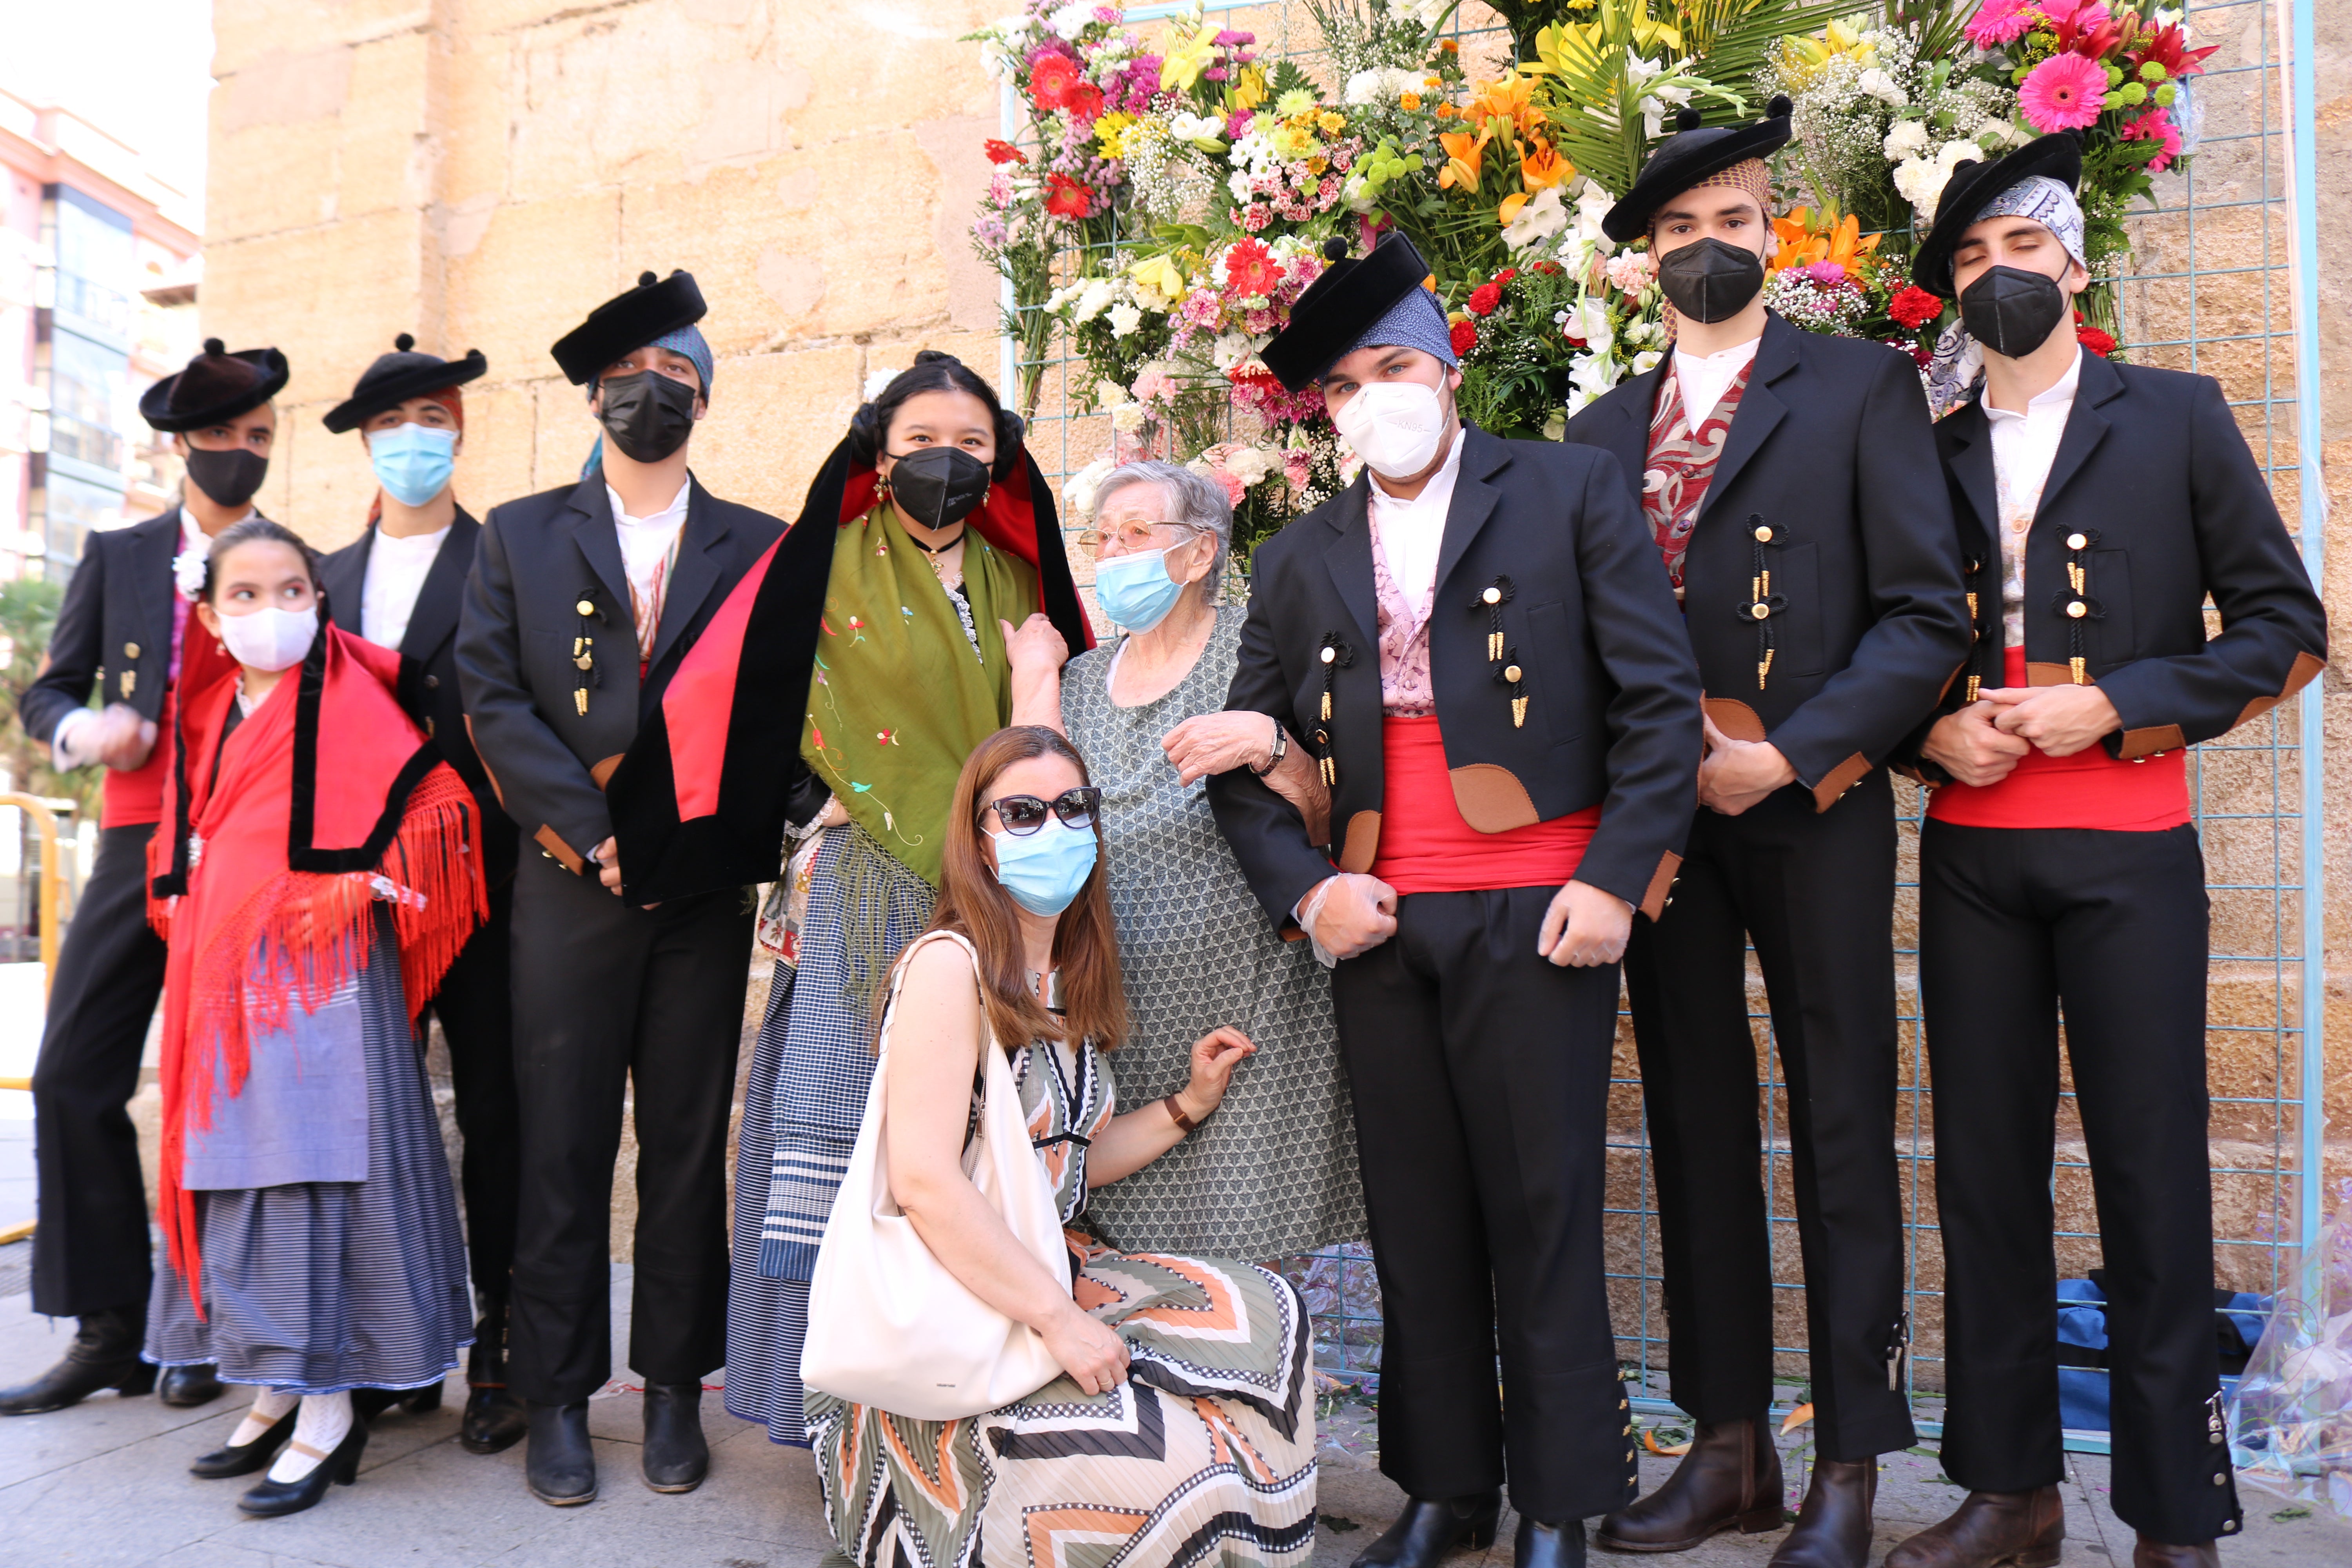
x=1206, y=1452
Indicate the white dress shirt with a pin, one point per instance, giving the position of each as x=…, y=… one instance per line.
x=646, y=543
x=396, y=569
x=2023, y=446
x=1704, y=378
x=1409, y=534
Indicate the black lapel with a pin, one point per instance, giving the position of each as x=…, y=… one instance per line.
x=152, y=574
x=1629, y=409
x=1965, y=438
x=596, y=533
x=1350, y=558
x=1760, y=409
x=1483, y=456
x=434, y=616
x=695, y=571
x=2098, y=382
x=344, y=578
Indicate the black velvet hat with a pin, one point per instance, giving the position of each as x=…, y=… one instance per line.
x=1972, y=185
x=1693, y=153
x=216, y=386
x=654, y=308
x=396, y=377
x=1347, y=301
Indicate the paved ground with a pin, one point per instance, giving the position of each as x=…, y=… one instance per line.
x=105, y=1483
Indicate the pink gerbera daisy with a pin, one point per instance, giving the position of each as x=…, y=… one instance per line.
x=2156, y=125
x=2064, y=92
x=1999, y=22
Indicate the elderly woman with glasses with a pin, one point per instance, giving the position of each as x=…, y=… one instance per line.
x=1273, y=1173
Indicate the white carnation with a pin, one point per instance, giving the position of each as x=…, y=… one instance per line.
x=1096, y=297
x=1231, y=349
x=1071, y=20
x=1124, y=320
x=1128, y=418
x=1079, y=489
x=1875, y=83
x=1920, y=181
x=1251, y=464
x=1108, y=394
x=1906, y=139
x=876, y=380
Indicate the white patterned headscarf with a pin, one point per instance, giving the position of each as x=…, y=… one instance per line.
x=1958, y=368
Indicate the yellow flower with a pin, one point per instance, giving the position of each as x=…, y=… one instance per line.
x=1318, y=163
x=1158, y=278
x=1249, y=88
x=1408, y=101
x=1110, y=132
x=1331, y=124
x=1298, y=101
x=1181, y=66
x=1509, y=97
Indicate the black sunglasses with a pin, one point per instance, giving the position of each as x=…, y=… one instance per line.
x=1023, y=815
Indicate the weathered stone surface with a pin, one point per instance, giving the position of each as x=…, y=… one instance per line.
x=536, y=270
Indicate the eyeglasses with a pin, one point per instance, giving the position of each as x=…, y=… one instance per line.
x=1130, y=537
x=1023, y=815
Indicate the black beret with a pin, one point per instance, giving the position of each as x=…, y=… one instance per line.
x=1973, y=185
x=1343, y=304
x=1694, y=152
x=396, y=377
x=216, y=386
x=626, y=322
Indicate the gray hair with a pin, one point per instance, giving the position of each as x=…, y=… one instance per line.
x=1199, y=502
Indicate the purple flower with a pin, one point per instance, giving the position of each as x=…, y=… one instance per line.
x=1214, y=73
x=1828, y=274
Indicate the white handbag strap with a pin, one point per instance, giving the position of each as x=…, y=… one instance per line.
x=898, y=979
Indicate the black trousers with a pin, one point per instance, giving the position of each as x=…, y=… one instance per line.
x=1814, y=892
x=90, y=1252
x=1480, y=1074
x=611, y=1000
x=2016, y=926
x=476, y=1006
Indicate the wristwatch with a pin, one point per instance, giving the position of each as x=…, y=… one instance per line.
x=1280, y=749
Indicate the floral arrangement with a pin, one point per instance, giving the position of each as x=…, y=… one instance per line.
x=1165, y=201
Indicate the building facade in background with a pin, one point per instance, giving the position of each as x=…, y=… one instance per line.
x=97, y=271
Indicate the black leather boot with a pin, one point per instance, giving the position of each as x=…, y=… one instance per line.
x=560, y=1467
x=1730, y=1479
x=104, y=1355
x=676, y=1456
x=1426, y=1531
x=243, y=1458
x=1834, y=1527
x=494, y=1417
x=1540, y=1545
x=188, y=1387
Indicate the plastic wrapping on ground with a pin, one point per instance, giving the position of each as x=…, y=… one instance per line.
x=2291, y=1420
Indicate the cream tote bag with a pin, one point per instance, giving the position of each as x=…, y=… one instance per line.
x=889, y=1326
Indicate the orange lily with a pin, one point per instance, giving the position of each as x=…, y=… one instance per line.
x=1508, y=96
x=1806, y=237
x=1465, y=159
x=1543, y=167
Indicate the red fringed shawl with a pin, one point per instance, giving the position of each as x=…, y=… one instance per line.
x=266, y=889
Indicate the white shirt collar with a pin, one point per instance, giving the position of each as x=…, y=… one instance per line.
x=673, y=512
x=2059, y=392
x=1442, y=482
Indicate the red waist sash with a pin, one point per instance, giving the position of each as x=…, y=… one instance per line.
x=2089, y=789
x=1426, y=847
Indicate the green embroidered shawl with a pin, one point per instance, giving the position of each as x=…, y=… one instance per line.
x=898, y=700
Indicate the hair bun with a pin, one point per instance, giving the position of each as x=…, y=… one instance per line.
x=1778, y=108
x=215, y=347
x=935, y=356
x=402, y=343
x=1688, y=118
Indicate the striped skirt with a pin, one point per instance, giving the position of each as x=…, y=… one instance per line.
x=320, y=1287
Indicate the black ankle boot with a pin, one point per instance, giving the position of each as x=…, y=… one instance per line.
x=232, y=1460
x=493, y=1417
x=676, y=1456
x=1540, y=1545
x=341, y=1467
x=189, y=1386
x=1426, y=1531
x=104, y=1355
x=560, y=1467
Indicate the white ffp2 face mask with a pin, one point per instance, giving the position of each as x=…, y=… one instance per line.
x=271, y=639
x=1394, y=426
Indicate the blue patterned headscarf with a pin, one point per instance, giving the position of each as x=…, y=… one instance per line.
x=1412, y=322
x=1958, y=368
x=688, y=341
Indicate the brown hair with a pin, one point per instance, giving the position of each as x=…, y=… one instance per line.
x=975, y=904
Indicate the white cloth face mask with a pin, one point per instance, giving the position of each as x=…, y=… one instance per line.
x=1394, y=426
x=271, y=639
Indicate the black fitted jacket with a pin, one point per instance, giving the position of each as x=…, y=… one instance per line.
x=2154, y=479
x=536, y=562
x=1832, y=453
x=115, y=623
x=429, y=688
x=1588, y=623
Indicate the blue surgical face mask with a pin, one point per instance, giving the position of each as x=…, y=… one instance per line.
x=412, y=462
x=1135, y=591
x=1046, y=869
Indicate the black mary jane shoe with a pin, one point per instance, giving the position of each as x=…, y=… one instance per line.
x=1541, y=1545
x=271, y=1499
x=185, y=1387
x=1426, y=1531
x=677, y=1454
x=560, y=1466
x=232, y=1460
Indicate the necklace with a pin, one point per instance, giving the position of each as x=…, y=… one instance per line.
x=936, y=549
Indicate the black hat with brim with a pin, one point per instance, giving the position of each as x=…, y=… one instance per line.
x=216, y=386
x=396, y=377
x=1694, y=152
x=1347, y=301
x=1974, y=185
x=655, y=308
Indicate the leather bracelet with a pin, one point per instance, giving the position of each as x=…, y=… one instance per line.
x=1184, y=1123
x=1274, y=756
